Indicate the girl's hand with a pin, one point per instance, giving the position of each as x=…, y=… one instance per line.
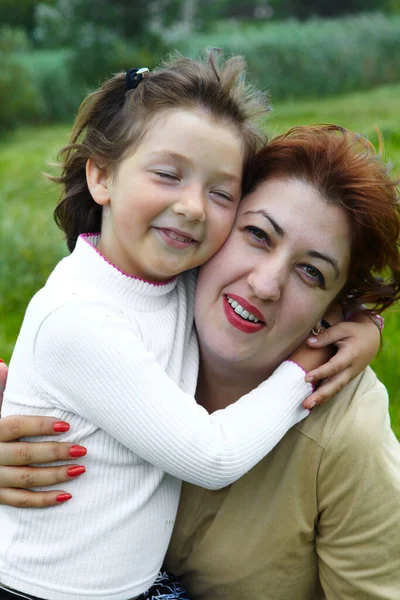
x=357, y=342
x=15, y=457
x=321, y=354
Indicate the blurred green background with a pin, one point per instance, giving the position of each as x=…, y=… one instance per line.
x=320, y=60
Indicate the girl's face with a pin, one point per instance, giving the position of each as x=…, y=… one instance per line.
x=170, y=205
x=285, y=261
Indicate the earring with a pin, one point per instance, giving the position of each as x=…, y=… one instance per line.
x=316, y=331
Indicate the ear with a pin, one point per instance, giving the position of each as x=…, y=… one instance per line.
x=98, y=182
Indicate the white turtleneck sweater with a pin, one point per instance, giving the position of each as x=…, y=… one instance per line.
x=117, y=358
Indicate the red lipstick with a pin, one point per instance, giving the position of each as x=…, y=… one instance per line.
x=247, y=306
x=237, y=321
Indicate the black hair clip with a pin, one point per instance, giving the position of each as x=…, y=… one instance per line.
x=134, y=77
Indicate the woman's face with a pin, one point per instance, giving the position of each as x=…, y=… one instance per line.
x=285, y=261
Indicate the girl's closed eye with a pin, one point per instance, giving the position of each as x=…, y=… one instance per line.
x=167, y=175
x=223, y=195
x=313, y=275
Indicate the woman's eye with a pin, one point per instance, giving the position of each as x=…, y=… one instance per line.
x=258, y=235
x=314, y=274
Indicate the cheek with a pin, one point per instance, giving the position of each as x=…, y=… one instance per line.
x=138, y=211
x=220, y=223
x=211, y=279
x=299, y=316
x=223, y=269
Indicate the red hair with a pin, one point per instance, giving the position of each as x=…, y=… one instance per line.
x=346, y=170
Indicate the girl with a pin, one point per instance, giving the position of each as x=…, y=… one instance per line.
x=155, y=163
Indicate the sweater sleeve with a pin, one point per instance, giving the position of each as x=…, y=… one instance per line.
x=108, y=377
x=358, y=533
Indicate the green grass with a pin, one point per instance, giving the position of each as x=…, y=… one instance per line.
x=31, y=244
x=364, y=112
x=314, y=58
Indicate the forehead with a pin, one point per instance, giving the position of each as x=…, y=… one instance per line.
x=194, y=133
x=306, y=217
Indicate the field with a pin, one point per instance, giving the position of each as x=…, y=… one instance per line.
x=31, y=243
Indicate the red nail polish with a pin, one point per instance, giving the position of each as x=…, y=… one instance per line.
x=60, y=427
x=63, y=497
x=77, y=451
x=1, y=360
x=75, y=471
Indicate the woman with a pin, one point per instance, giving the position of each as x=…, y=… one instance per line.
x=318, y=517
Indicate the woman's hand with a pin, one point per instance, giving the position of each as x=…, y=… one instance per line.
x=357, y=342
x=15, y=457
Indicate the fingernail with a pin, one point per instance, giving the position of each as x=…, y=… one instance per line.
x=312, y=405
x=1, y=360
x=313, y=340
x=63, y=497
x=77, y=451
x=309, y=378
x=60, y=427
x=75, y=471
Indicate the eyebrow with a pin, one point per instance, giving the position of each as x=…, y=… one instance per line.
x=278, y=228
x=281, y=232
x=168, y=154
x=332, y=261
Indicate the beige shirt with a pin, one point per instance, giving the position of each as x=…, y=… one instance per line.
x=318, y=518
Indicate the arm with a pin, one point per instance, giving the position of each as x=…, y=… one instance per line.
x=358, y=537
x=15, y=472
x=137, y=403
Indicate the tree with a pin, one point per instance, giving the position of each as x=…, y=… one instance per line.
x=326, y=8
x=19, y=13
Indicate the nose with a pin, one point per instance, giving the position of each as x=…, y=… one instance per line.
x=267, y=279
x=191, y=204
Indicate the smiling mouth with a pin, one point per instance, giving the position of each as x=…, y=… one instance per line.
x=240, y=318
x=179, y=238
x=242, y=312
x=175, y=239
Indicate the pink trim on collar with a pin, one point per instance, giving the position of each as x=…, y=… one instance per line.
x=84, y=237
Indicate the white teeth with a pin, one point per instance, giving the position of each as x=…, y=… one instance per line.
x=245, y=314
x=179, y=238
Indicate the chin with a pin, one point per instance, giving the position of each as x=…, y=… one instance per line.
x=220, y=348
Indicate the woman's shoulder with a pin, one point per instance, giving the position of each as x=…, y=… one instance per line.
x=360, y=411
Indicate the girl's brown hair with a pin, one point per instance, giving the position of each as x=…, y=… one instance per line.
x=112, y=120
x=346, y=170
